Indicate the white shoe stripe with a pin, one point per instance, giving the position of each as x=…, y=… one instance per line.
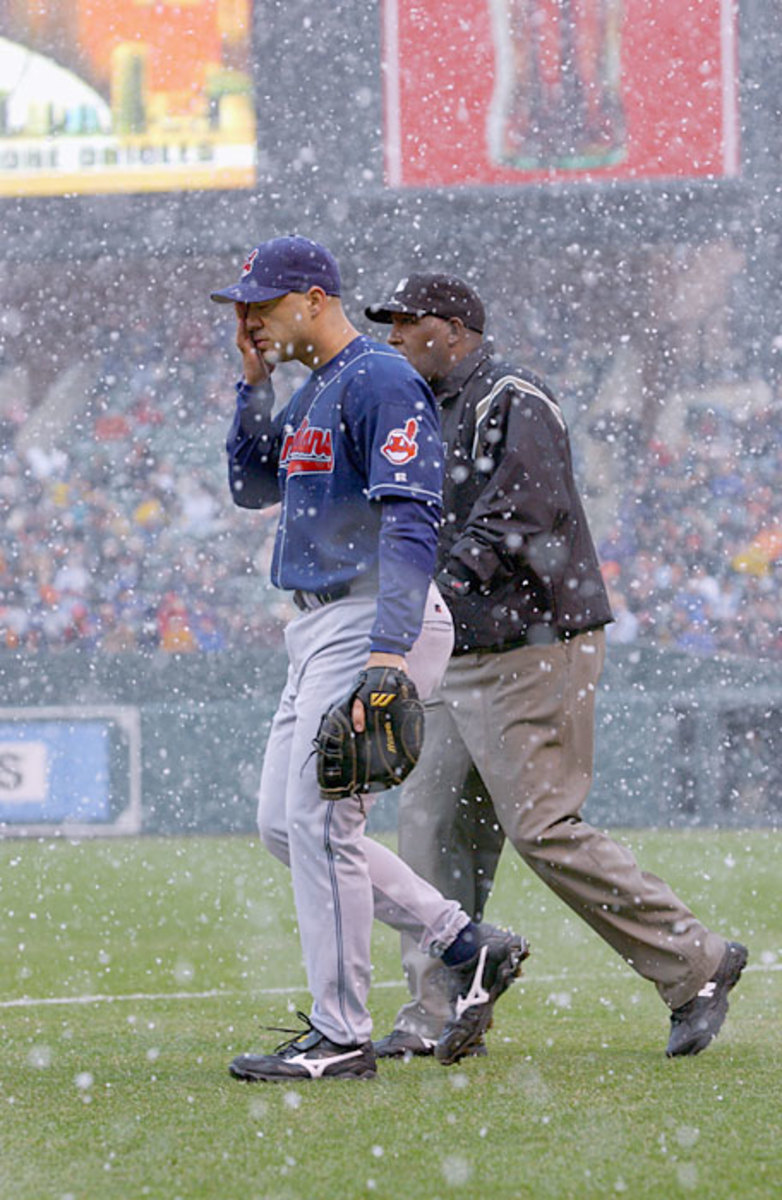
x=476, y=993
x=316, y=1066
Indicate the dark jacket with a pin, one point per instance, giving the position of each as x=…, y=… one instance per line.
x=514, y=526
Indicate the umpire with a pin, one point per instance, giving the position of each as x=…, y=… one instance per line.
x=514, y=718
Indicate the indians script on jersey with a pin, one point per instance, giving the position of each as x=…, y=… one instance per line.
x=310, y=448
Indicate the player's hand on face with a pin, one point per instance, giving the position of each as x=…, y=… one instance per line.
x=378, y=658
x=256, y=369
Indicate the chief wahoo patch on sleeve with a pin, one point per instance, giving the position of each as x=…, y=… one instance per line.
x=400, y=446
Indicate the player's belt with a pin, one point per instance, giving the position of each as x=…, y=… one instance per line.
x=545, y=635
x=306, y=601
x=567, y=635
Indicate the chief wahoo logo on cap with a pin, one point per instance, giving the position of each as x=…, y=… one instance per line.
x=248, y=266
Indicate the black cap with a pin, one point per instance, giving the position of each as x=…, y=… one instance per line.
x=422, y=295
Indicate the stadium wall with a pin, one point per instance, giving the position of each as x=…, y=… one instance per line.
x=682, y=741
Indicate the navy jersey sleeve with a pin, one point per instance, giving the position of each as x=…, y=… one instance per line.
x=408, y=547
x=253, y=448
x=393, y=420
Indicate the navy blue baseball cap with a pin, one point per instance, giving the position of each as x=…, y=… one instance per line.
x=282, y=265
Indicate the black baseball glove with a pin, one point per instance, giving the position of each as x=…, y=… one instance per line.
x=386, y=752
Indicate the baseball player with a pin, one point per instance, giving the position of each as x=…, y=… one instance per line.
x=355, y=458
x=514, y=717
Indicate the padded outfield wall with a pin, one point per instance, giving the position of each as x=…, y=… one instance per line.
x=682, y=742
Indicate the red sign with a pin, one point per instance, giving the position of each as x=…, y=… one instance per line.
x=530, y=91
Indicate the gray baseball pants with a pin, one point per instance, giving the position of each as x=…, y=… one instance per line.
x=342, y=879
x=524, y=719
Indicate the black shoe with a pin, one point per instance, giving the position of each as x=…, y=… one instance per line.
x=477, y=985
x=697, y=1023
x=308, y=1055
x=401, y=1044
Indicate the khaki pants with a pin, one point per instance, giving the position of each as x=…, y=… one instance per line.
x=524, y=720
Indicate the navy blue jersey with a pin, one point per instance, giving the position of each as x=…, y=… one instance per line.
x=363, y=430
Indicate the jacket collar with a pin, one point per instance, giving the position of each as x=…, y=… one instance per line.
x=450, y=387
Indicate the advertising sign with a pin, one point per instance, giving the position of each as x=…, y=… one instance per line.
x=125, y=96
x=531, y=91
x=77, y=770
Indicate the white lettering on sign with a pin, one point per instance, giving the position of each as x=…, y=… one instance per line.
x=24, y=772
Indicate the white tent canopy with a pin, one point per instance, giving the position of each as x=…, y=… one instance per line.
x=32, y=83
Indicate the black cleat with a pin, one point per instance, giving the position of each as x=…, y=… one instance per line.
x=401, y=1044
x=477, y=985
x=308, y=1055
x=697, y=1023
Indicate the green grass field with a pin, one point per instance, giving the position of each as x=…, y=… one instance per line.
x=132, y=972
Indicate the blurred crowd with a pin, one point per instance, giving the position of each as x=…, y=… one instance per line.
x=120, y=535
x=694, y=560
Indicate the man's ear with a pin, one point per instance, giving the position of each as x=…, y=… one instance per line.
x=316, y=300
x=456, y=330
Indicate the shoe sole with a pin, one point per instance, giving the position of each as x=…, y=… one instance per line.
x=391, y=1046
x=305, y=1077
x=738, y=962
x=477, y=1050
x=508, y=970
x=397, y=1054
